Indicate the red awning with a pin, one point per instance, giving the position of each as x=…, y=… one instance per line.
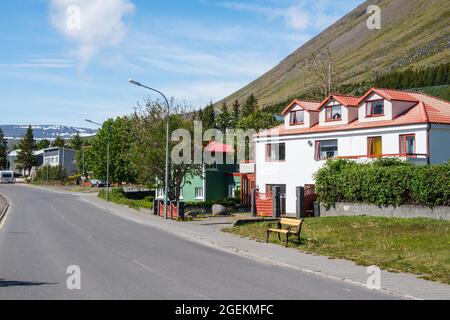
x=219, y=147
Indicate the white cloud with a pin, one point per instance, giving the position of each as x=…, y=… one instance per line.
x=101, y=24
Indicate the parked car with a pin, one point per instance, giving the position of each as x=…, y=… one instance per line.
x=7, y=177
x=98, y=183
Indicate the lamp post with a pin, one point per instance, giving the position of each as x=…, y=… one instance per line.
x=107, y=156
x=166, y=191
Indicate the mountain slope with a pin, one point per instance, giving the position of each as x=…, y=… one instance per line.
x=414, y=33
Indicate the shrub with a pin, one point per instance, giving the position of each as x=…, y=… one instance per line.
x=384, y=182
x=49, y=173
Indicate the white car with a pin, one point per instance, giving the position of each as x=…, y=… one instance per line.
x=98, y=183
x=7, y=177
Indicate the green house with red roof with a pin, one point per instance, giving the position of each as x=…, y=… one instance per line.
x=216, y=183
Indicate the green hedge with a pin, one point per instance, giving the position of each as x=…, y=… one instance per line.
x=119, y=196
x=384, y=182
x=230, y=202
x=49, y=173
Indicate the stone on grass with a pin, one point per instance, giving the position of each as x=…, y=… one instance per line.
x=219, y=210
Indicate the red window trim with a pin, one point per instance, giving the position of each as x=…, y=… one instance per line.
x=402, y=140
x=327, y=119
x=317, y=156
x=296, y=123
x=268, y=146
x=371, y=115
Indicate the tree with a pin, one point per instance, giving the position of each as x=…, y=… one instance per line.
x=43, y=144
x=59, y=142
x=236, y=113
x=250, y=106
x=209, y=117
x=116, y=133
x=224, y=119
x=3, y=150
x=25, y=158
x=324, y=77
x=149, y=150
x=258, y=121
x=76, y=142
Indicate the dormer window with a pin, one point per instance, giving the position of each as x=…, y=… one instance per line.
x=297, y=117
x=375, y=108
x=334, y=113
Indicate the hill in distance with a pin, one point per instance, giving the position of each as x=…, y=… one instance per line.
x=50, y=132
x=414, y=33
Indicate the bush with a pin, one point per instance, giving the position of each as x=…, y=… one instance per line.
x=119, y=196
x=49, y=173
x=384, y=182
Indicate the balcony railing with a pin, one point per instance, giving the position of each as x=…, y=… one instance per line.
x=416, y=158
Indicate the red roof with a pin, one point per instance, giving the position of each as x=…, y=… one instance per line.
x=219, y=147
x=348, y=101
x=390, y=94
x=428, y=109
x=312, y=106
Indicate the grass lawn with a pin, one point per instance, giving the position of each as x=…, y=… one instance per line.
x=419, y=246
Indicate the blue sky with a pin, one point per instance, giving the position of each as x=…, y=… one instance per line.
x=193, y=50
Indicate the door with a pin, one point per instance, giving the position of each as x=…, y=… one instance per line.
x=375, y=147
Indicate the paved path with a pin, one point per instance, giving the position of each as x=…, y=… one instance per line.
x=46, y=232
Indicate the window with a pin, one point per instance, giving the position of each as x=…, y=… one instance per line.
x=375, y=108
x=374, y=147
x=297, y=117
x=334, y=113
x=326, y=149
x=198, y=193
x=407, y=144
x=231, y=191
x=276, y=152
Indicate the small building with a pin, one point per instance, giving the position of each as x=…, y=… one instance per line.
x=63, y=157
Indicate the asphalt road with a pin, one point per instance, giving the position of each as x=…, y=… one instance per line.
x=46, y=232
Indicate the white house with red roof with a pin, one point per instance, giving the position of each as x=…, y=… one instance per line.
x=382, y=123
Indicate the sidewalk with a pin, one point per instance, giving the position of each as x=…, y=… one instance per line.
x=208, y=233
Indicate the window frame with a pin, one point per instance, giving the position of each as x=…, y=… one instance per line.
x=327, y=116
x=269, y=152
x=294, y=112
x=403, y=144
x=369, y=145
x=197, y=197
x=318, y=150
x=370, y=113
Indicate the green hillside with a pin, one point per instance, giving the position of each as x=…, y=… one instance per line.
x=415, y=35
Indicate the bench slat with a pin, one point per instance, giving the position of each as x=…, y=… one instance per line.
x=291, y=222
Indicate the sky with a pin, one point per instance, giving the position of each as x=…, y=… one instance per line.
x=62, y=61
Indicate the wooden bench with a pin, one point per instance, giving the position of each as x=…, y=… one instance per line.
x=288, y=227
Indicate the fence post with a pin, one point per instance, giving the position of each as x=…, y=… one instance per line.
x=180, y=208
x=276, y=202
x=253, y=200
x=300, y=205
x=155, y=207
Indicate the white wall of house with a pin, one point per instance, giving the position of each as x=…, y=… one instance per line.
x=300, y=164
x=439, y=143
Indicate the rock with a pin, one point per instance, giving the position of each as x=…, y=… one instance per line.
x=219, y=210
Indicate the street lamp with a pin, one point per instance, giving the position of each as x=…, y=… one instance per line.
x=166, y=192
x=107, y=156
